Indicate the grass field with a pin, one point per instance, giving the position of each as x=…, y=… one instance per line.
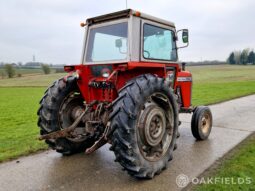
x=212, y=84
x=24, y=72
x=18, y=120
x=240, y=164
x=31, y=80
x=19, y=99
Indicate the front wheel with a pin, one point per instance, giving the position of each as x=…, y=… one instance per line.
x=145, y=119
x=201, y=123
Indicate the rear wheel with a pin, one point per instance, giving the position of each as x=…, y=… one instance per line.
x=201, y=123
x=59, y=107
x=145, y=119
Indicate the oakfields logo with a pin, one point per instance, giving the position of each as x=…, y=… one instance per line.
x=183, y=180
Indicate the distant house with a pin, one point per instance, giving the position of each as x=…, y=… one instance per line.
x=33, y=64
x=14, y=65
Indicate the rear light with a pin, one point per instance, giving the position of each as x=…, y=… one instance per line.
x=69, y=68
x=105, y=72
x=106, y=75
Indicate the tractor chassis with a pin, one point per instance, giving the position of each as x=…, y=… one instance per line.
x=104, y=138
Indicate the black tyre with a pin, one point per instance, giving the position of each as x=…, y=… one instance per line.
x=55, y=114
x=145, y=120
x=201, y=123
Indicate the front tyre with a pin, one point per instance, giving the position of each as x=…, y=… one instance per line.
x=201, y=122
x=145, y=120
x=60, y=105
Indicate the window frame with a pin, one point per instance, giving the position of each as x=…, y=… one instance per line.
x=155, y=24
x=108, y=24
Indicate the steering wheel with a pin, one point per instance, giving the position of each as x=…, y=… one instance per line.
x=147, y=52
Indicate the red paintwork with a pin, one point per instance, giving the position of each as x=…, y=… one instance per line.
x=122, y=73
x=186, y=89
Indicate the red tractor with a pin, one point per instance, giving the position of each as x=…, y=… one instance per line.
x=128, y=91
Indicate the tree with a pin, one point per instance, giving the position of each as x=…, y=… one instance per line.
x=10, y=71
x=19, y=64
x=45, y=68
x=2, y=75
x=237, y=56
x=244, y=56
x=251, y=58
x=231, y=58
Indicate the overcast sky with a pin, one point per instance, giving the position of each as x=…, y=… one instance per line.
x=50, y=28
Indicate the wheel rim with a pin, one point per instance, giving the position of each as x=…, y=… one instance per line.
x=206, y=123
x=155, y=127
x=70, y=109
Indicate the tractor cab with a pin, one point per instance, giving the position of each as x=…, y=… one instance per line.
x=131, y=43
x=129, y=36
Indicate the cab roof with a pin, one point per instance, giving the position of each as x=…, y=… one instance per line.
x=126, y=14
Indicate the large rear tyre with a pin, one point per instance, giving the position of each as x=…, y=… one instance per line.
x=57, y=109
x=201, y=123
x=145, y=120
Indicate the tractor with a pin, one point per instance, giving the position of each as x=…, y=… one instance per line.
x=128, y=91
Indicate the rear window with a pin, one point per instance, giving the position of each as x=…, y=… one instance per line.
x=108, y=43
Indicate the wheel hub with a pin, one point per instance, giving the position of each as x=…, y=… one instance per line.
x=76, y=111
x=71, y=109
x=154, y=126
x=205, y=123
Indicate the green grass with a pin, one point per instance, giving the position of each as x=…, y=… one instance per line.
x=31, y=80
x=209, y=93
x=19, y=99
x=24, y=72
x=240, y=165
x=213, y=84
x=29, y=71
x=18, y=129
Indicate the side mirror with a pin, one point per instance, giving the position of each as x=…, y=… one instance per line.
x=185, y=36
x=118, y=43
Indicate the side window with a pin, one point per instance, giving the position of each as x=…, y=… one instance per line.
x=158, y=43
